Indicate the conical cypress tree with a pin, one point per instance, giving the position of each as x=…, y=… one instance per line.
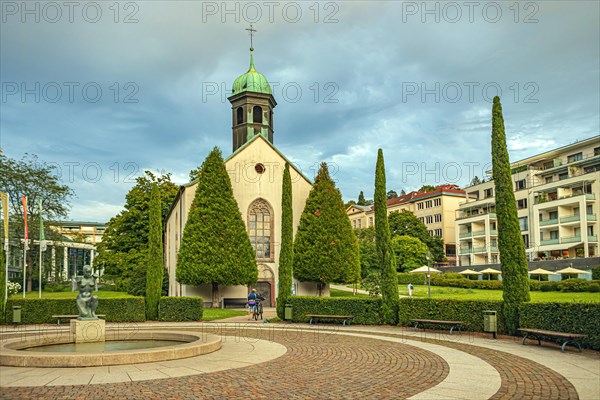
x=361, y=199
x=286, y=255
x=154, y=274
x=515, y=280
x=215, y=248
x=325, y=248
x=2, y=276
x=385, y=253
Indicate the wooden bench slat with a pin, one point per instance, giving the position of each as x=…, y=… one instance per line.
x=435, y=321
x=316, y=317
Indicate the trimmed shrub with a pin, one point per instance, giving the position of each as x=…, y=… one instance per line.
x=404, y=278
x=594, y=287
x=178, y=309
x=574, y=285
x=564, y=317
x=365, y=311
x=596, y=273
x=107, y=288
x=40, y=311
x=57, y=287
x=470, y=312
x=551, y=286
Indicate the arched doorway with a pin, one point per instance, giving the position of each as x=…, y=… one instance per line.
x=266, y=285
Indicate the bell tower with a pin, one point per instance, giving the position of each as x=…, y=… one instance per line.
x=252, y=105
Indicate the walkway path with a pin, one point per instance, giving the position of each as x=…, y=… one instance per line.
x=330, y=361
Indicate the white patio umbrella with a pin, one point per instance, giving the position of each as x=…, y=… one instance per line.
x=490, y=272
x=424, y=269
x=571, y=271
x=469, y=272
x=540, y=272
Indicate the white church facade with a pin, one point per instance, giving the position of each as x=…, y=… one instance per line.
x=255, y=169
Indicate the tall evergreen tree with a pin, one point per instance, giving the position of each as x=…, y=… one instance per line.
x=387, y=259
x=361, y=199
x=215, y=248
x=2, y=274
x=286, y=254
x=325, y=248
x=515, y=280
x=156, y=266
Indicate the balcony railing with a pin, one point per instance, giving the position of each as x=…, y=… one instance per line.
x=479, y=233
x=592, y=238
x=493, y=232
x=465, y=235
x=464, y=215
x=549, y=241
x=466, y=251
x=552, y=221
x=591, y=217
x=479, y=249
x=572, y=218
x=588, y=196
x=571, y=239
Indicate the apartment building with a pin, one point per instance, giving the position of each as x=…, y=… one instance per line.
x=91, y=232
x=557, y=196
x=436, y=209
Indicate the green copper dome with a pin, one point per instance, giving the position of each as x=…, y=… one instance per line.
x=251, y=81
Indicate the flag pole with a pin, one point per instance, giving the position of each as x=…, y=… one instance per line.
x=4, y=198
x=24, y=200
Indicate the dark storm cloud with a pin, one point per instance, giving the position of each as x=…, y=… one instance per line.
x=378, y=77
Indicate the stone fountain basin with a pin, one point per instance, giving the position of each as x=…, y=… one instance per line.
x=191, y=345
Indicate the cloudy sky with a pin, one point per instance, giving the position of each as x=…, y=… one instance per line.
x=105, y=91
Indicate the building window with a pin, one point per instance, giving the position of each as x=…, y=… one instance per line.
x=257, y=116
x=240, y=115
x=422, y=219
x=370, y=221
x=597, y=151
x=487, y=193
x=437, y=202
x=438, y=217
x=428, y=204
x=260, y=229
x=420, y=206
x=525, y=240
x=522, y=203
x=430, y=233
x=523, y=224
x=429, y=219
x=451, y=250
x=553, y=235
x=520, y=185
x=575, y=157
x=359, y=224
x=259, y=168
x=354, y=224
x=562, y=176
x=438, y=232
x=549, y=179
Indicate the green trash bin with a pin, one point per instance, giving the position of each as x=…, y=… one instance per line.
x=288, y=312
x=16, y=314
x=490, y=322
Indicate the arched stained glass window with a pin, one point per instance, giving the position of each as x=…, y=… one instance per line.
x=260, y=229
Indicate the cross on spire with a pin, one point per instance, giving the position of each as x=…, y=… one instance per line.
x=251, y=30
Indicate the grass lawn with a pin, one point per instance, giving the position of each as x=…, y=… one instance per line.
x=211, y=314
x=343, y=293
x=69, y=295
x=439, y=292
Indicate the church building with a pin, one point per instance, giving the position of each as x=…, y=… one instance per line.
x=255, y=168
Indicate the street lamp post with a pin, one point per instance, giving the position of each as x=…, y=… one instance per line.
x=428, y=255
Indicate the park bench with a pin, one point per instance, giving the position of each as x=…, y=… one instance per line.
x=566, y=337
x=452, y=324
x=59, y=317
x=315, y=318
x=241, y=302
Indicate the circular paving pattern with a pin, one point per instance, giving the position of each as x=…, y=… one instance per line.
x=332, y=364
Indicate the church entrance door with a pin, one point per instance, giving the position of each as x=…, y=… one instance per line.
x=264, y=288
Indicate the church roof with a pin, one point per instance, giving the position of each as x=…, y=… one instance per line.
x=251, y=81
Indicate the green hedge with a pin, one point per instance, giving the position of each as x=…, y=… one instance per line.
x=404, y=278
x=564, y=317
x=177, y=309
x=470, y=312
x=365, y=311
x=39, y=311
